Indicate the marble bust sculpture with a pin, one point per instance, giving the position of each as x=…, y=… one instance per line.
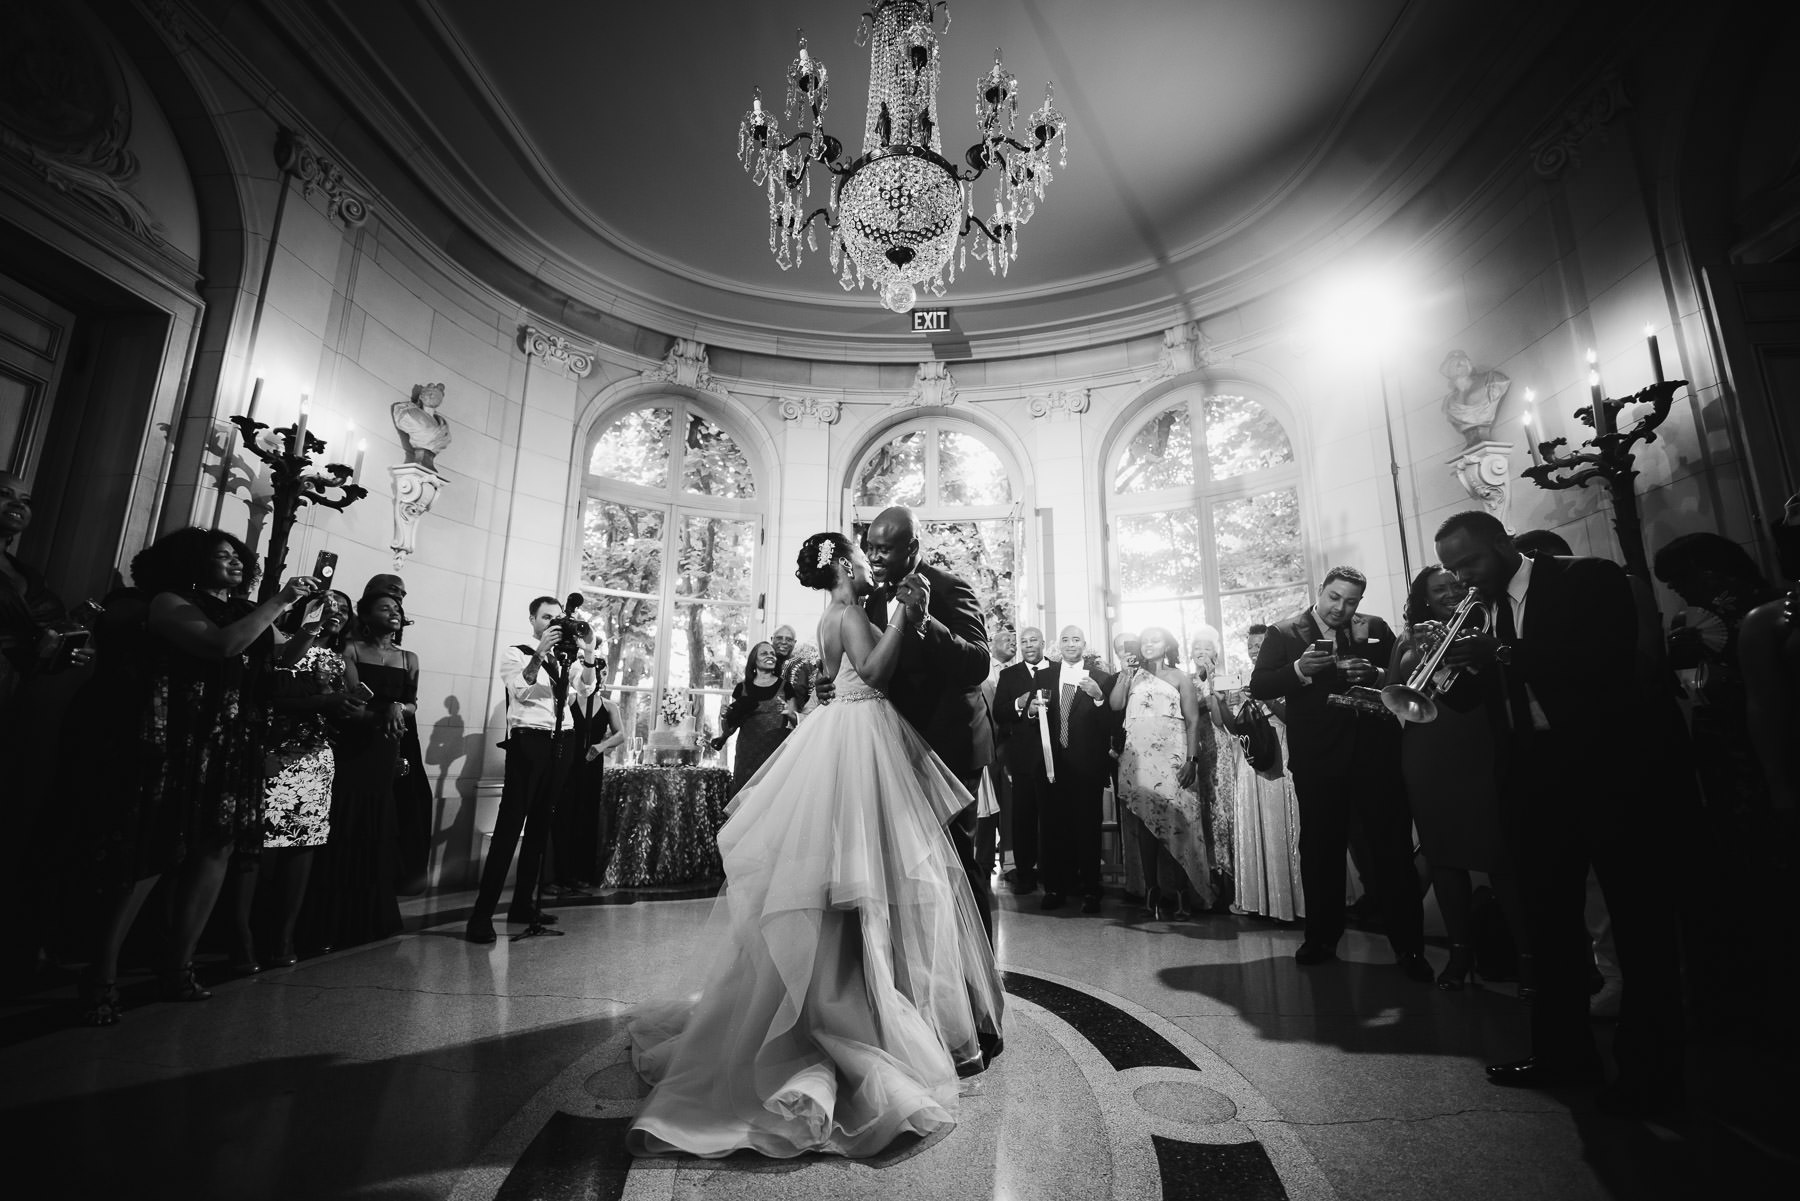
x=423, y=430
x=1474, y=397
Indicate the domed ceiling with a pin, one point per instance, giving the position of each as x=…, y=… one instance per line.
x=1215, y=149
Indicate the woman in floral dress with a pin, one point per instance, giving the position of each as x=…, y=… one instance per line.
x=308, y=690
x=1160, y=772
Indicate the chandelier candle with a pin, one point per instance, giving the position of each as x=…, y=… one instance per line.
x=898, y=213
x=1656, y=367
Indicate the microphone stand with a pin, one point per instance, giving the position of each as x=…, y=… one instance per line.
x=559, y=692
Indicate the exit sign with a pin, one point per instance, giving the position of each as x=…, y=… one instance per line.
x=931, y=321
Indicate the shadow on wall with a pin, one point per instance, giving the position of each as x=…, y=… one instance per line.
x=451, y=742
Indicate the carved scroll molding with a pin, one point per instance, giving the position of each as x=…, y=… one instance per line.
x=1558, y=147
x=415, y=488
x=686, y=364
x=67, y=117
x=932, y=385
x=820, y=409
x=296, y=155
x=1185, y=349
x=551, y=348
x=1072, y=401
x=1485, y=472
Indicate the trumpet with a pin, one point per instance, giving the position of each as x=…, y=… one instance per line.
x=1416, y=700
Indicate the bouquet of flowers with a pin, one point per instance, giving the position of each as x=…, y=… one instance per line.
x=674, y=709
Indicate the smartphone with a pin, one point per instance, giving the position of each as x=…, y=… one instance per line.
x=325, y=568
x=1324, y=646
x=362, y=692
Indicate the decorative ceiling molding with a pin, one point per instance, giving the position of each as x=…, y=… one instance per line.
x=297, y=156
x=553, y=348
x=1072, y=401
x=686, y=364
x=817, y=408
x=933, y=385
x=1558, y=147
x=169, y=17
x=1185, y=349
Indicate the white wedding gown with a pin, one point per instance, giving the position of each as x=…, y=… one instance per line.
x=845, y=972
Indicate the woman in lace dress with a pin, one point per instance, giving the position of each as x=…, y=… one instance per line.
x=1160, y=772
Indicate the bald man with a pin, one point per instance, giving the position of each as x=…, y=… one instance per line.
x=1081, y=730
x=937, y=686
x=1024, y=752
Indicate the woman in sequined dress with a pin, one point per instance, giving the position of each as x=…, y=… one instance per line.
x=198, y=766
x=309, y=693
x=759, y=713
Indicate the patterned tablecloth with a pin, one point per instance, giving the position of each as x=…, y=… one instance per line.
x=666, y=823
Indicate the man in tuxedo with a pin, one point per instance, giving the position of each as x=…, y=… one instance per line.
x=1345, y=763
x=1560, y=678
x=1081, y=730
x=1024, y=752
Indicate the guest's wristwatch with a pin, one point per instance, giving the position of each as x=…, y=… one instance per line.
x=1503, y=654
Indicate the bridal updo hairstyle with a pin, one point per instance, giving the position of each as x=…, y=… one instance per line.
x=818, y=560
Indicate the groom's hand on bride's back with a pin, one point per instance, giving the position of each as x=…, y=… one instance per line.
x=824, y=689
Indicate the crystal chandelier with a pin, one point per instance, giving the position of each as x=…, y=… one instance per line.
x=900, y=212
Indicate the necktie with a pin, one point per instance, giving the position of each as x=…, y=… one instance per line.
x=1518, y=704
x=1068, y=703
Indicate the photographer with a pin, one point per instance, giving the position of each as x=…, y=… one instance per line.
x=541, y=685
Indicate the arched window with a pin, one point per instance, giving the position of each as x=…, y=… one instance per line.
x=671, y=523
x=967, y=496
x=1205, y=506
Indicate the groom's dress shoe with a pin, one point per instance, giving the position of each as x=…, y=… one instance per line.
x=1311, y=953
x=1052, y=900
x=1414, y=966
x=1534, y=1072
x=479, y=930
x=991, y=1046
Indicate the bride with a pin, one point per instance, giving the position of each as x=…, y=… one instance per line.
x=849, y=975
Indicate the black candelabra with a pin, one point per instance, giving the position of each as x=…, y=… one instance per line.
x=1607, y=457
x=293, y=482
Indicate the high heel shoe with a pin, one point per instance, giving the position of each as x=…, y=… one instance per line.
x=183, y=985
x=1456, y=973
x=103, y=1006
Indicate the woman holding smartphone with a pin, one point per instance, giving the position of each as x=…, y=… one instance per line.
x=1163, y=772
x=352, y=899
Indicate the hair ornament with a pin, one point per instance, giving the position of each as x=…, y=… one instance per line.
x=827, y=552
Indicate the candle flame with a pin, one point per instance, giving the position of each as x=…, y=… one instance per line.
x=1526, y=419
x=1592, y=358
x=1649, y=329
x=1530, y=396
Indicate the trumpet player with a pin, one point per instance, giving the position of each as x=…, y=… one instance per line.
x=1345, y=762
x=1560, y=677
x=1448, y=763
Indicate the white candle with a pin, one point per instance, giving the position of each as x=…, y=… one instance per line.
x=255, y=398
x=1531, y=434
x=300, y=428
x=356, y=472
x=1656, y=367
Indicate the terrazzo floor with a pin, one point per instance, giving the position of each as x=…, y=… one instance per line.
x=1143, y=1059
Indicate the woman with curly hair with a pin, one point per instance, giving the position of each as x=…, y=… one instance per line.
x=199, y=722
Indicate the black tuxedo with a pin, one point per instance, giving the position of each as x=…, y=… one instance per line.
x=1567, y=806
x=936, y=686
x=1345, y=765
x=1070, y=824
x=1024, y=754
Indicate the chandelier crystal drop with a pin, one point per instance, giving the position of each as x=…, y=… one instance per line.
x=899, y=212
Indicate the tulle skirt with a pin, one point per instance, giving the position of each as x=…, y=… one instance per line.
x=844, y=973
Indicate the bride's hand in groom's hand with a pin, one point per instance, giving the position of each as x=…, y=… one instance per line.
x=915, y=593
x=824, y=689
